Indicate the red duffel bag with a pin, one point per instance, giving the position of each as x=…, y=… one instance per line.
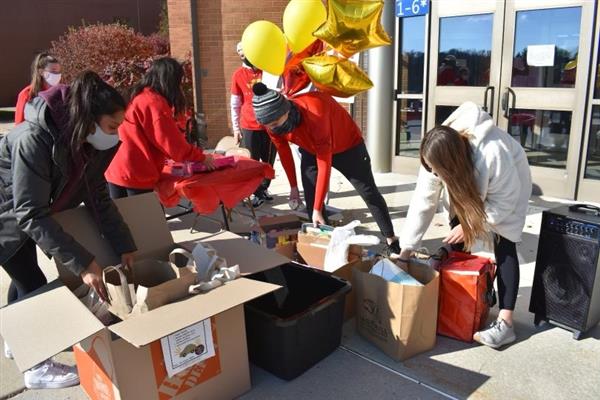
x=466, y=295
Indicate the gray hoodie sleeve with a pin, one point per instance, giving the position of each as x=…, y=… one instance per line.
x=31, y=166
x=108, y=217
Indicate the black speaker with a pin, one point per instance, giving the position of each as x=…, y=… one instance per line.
x=566, y=283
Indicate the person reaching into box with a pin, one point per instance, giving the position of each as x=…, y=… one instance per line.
x=150, y=134
x=327, y=136
x=54, y=161
x=487, y=183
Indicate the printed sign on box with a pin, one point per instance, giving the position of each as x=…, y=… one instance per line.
x=187, y=347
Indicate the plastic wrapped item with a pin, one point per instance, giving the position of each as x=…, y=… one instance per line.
x=393, y=273
x=94, y=303
x=341, y=239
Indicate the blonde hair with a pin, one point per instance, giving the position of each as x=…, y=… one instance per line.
x=448, y=154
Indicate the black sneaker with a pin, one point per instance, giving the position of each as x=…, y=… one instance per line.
x=267, y=196
x=257, y=201
x=392, y=250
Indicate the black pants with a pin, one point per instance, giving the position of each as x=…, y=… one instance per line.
x=118, y=192
x=507, y=270
x=261, y=149
x=355, y=165
x=24, y=271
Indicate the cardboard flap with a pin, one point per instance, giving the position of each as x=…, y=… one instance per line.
x=42, y=326
x=146, y=328
x=237, y=250
x=142, y=213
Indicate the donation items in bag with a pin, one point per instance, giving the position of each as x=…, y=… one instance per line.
x=338, y=250
x=399, y=318
x=466, y=295
x=150, y=284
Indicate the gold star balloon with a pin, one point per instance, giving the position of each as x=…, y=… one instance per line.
x=353, y=26
x=336, y=76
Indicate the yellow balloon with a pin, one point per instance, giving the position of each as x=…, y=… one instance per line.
x=300, y=19
x=264, y=46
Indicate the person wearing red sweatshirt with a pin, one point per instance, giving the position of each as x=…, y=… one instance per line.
x=45, y=73
x=149, y=134
x=327, y=136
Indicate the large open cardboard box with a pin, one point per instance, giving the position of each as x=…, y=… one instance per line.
x=125, y=360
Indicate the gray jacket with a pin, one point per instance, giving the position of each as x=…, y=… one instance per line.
x=34, y=169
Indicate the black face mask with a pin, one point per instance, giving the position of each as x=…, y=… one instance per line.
x=248, y=63
x=292, y=121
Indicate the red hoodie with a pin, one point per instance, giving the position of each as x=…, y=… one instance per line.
x=149, y=136
x=325, y=129
x=22, y=99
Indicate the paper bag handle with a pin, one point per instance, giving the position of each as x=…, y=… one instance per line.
x=122, y=279
x=183, y=252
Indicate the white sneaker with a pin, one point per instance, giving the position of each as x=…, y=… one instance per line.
x=497, y=335
x=51, y=375
x=7, y=353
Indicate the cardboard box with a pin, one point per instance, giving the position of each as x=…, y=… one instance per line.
x=399, y=319
x=125, y=360
x=312, y=250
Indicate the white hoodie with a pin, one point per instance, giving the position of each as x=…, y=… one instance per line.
x=502, y=174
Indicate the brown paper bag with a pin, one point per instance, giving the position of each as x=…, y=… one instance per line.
x=156, y=283
x=399, y=319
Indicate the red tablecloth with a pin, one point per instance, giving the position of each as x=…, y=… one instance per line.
x=207, y=190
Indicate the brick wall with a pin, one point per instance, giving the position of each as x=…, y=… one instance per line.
x=220, y=26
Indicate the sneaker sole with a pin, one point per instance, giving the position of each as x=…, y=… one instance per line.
x=53, y=385
x=478, y=339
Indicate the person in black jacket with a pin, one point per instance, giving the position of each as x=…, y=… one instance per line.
x=54, y=161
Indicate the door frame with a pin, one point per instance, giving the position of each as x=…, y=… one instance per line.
x=589, y=189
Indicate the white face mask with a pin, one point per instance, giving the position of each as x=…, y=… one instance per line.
x=101, y=140
x=51, y=78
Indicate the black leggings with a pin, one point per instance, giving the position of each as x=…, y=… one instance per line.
x=355, y=165
x=507, y=269
x=25, y=274
x=261, y=149
x=118, y=192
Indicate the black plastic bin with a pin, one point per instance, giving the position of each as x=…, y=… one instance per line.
x=295, y=327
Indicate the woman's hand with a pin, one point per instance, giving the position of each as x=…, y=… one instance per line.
x=402, y=260
x=317, y=218
x=456, y=235
x=127, y=260
x=209, y=162
x=294, y=200
x=92, y=276
x=237, y=136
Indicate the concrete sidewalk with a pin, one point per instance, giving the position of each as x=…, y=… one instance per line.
x=544, y=363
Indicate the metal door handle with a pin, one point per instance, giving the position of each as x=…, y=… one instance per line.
x=505, y=97
x=490, y=110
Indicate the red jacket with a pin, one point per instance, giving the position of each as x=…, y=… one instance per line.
x=149, y=137
x=22, y=99
x=325, y=129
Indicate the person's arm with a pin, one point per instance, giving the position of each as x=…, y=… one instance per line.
x=287, y=159
x=165, y=135
x=31, y=166
x=421, y=210
x=110, y=222
x=236, y=106
x=324, y=160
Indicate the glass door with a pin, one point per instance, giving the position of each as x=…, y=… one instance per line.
x=543, y=86
x=589, y=180
x=465, y=56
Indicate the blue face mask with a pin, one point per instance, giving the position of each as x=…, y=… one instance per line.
x=292, y=121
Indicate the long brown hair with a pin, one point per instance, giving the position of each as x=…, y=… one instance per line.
x=448, y=154
x=40, y=62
